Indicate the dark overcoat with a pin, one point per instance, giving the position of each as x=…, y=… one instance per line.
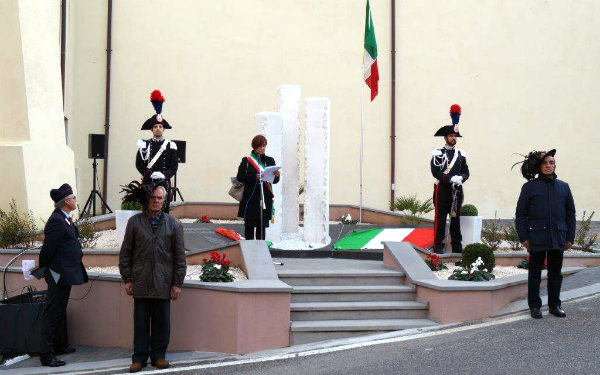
x=61, y=251
x=250, y=203
x=153, y=259
x=545, y=214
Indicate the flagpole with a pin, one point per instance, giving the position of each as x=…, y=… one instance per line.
x=361, y=150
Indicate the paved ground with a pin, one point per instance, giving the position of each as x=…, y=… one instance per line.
x=510, y=345
x=491, y=349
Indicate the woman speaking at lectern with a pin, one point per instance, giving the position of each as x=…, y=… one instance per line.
x=249, y=173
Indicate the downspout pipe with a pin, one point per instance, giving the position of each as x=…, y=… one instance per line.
x=107, y=102
x=63, y=44
x=393, y=115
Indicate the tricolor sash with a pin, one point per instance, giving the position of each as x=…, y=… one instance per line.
x=260, y=168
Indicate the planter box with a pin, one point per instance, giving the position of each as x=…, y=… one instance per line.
x=121, y=218
x=470, y=228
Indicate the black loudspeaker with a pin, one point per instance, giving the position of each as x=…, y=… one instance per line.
x=20, y=323
x=180, y=151
x=96, y=146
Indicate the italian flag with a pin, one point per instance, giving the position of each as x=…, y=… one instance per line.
x=370, y=71
x=373, y=238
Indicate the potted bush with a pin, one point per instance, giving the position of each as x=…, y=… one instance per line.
x=470, y=224
x=130, y=206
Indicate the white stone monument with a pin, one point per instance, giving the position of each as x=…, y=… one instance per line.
x=270, y=125
x=288, y=104
x=316, y=170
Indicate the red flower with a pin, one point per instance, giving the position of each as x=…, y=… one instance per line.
x=434, y=262
x=205, y=219
x=204, y=260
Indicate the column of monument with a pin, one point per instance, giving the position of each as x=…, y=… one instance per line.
x=288, y=104
x=269, y=124
x=316, y=170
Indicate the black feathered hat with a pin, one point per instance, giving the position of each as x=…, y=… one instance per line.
x=530, y=166
x=445, y=130
x=157, y=101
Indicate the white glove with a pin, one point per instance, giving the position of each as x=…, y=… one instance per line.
x=160, y=176
x=456, y=180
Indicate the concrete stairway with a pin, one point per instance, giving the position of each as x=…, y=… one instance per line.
x=335, y=298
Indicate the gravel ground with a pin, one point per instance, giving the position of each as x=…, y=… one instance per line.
x=499, y=271
x=294, y=241
x=193, y=272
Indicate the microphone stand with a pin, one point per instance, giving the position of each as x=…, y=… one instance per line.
x=262, y=207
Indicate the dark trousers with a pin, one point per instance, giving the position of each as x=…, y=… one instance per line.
x=249, y=232
x=442, y=201
x=54, y=318
x=151, y=329
x=536, y=263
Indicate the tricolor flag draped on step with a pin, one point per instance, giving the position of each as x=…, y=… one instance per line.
x=370, y=71
x=373, y=238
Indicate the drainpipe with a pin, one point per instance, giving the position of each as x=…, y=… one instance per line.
x=393, y=123
x=63, y=47
x=107, y=102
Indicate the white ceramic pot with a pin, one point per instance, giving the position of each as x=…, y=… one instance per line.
x=121, y=219
x=470, y=228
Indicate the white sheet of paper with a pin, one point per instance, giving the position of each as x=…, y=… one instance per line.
x=268, y=174
x=55, y=275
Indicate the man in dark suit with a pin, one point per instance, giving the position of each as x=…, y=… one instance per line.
x=545, y=220
x=61, y=256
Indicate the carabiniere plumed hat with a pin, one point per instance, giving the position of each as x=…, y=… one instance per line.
x=157, y=101
x=451, y=129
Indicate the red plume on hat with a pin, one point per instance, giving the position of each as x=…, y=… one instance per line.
x=455, y=113
x=157, y=101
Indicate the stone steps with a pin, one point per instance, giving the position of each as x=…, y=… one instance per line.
x=350, y=299
x=353, y=293
x=342, y=277
x=358, y=310
x=303, y=332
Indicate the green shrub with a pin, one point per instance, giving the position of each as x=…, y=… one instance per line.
x=582, y=238
x=491, y=233
x=133, y=206
x=16, y=229
x=468, y=210
x=475, y=250
x=413, y=207
x=512, y=236
x=88, y=236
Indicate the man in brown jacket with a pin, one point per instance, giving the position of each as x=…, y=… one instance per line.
x=152, y=265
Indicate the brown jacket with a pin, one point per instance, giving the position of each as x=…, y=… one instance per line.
x=153, y=260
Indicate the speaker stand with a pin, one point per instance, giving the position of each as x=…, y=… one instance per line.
x=90, y=204
x=175, y=191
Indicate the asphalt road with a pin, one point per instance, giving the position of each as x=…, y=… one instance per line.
x=522, y=346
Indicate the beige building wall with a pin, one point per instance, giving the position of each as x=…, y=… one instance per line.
x=33, y=145
x=525, y=73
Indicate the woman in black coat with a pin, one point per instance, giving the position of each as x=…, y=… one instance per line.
x=248, y=174
x=545, y=221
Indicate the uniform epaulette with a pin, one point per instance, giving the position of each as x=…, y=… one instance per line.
x=142, y=143
x=462, y=152
x=173, y=145
x=436, y=152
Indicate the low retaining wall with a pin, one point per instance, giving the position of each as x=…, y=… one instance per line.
x=238, y=317
x=228, y=211
x=515, y=258
x=452, y=300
